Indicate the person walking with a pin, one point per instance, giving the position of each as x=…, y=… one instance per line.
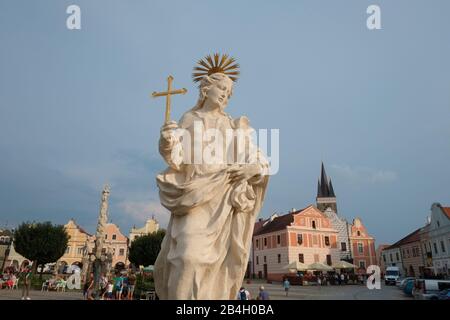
x=118, y=286
x=103, y=285
x=263, y=294
x=109, y=290
x=131, y=284
x=243, y=294
x=286, y=285
x=88, y=287
x=124, y=293
x=25, y=276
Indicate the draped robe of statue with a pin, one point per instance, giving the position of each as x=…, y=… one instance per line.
x=205, y=252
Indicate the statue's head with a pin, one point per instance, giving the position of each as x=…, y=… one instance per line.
x=216, y=75
x=215, y=91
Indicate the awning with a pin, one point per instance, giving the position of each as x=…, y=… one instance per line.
x=344, y=265
x=296, y=266
x=317, y=266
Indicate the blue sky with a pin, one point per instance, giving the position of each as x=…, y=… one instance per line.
x=75, y=111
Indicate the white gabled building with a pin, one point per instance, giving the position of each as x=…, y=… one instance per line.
x=392, y=257
x=439, y=239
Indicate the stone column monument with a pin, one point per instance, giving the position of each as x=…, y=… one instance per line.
x=98, y=261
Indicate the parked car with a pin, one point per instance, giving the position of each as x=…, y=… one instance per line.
x=392, y=275
x=409, y=286
x=444, y=295
x=429, y=289
x=401, y=283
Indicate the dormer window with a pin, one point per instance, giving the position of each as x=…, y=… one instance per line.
x=358, y=233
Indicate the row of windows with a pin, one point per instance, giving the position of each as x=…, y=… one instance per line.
x=390, y=256
x=415, y=251
x=435, y=247
x=407, y=253
x=300, y=241
x=80, y=251
x=301, y=258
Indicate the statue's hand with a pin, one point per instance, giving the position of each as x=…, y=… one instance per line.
x=166, y=130
x=169, y=146
x=244, y=172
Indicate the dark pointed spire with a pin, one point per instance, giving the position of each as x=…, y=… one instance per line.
x=324, y=182
x=331, y=190
x=324, y=186
x=319, y=191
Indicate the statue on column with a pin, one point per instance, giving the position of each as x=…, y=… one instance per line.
x=99, y=258
x=85, y=261
x=213, y=202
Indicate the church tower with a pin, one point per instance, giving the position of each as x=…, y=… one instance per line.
x=325, y=193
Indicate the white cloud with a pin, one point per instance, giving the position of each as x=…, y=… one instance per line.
x=364, y=174
x=141, y=210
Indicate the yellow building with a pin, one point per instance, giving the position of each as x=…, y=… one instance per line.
x=151, y=225
x=115, y=243
x=78, y=238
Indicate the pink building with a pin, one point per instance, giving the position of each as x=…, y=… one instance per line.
x=306, y=236
x=117, y=244
x=363, y=246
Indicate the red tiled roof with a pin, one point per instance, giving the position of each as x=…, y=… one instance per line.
x=82, y=230
x=446, y=210
x=258, y=225
x=278, y=223
x=412, y=237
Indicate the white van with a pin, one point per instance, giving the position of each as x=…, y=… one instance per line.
x=428, y=289
x=392, y=275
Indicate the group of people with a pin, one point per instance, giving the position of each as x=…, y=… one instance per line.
x=10, y=279
x=119, y=287
x=244, y=294
x=342, y=278
x=54, y=283
x=320, y=279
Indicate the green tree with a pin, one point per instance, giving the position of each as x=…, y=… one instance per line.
x=41, y=242
x=144, y=250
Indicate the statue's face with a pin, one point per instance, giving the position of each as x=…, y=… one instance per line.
x=219, y=93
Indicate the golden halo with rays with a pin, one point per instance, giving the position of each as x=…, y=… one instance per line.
x=216, y=64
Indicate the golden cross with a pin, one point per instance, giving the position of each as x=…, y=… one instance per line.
x=167, y=94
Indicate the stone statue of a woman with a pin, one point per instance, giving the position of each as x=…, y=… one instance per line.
x=213, y=204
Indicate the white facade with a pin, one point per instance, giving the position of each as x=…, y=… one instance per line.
x=392, y=257
x=439, y=239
